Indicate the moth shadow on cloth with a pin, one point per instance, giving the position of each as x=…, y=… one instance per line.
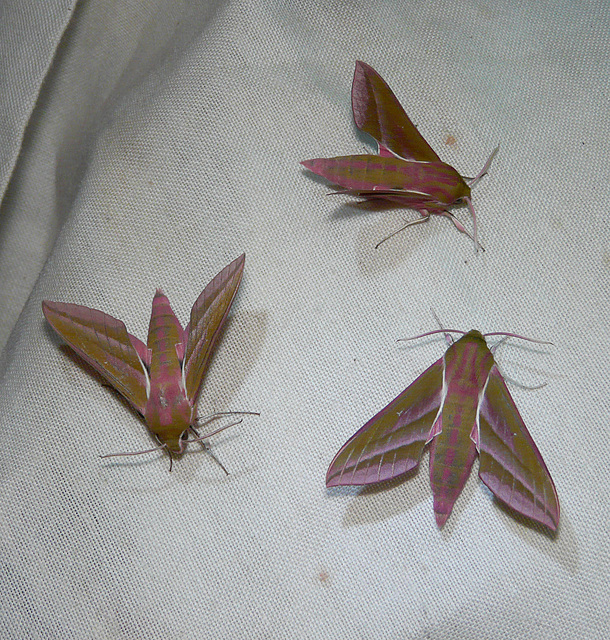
x=379, y=219
x=383, y=501
x=561, y=546
x=393, y=498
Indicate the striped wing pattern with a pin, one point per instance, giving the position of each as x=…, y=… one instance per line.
x=406, y=171
x=378, y=113
x=417, y=184
x=391, y=443
x=510, y=463
x=208, y=316
x=104, y=343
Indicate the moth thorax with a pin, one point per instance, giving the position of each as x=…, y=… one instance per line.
x=462, y=190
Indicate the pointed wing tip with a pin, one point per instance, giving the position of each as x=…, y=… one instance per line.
x=48, y=310
x=238, y=264
x=51, y=309
x=308, y=164
x=234, y=268
x=332, y=481
x=548, y=520
x=362, y=65
x=338, y=478
x=551, y=521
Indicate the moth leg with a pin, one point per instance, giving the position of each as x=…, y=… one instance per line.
x=207, y=449
x=528, y=387
x=497, y=345
x=474, y=220
x=460, y=227
x=134, y=453
x=206, y=446
x=515, y=382
x=448, y=336
x=425, y=217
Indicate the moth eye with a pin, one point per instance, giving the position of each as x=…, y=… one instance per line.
x=184, y=435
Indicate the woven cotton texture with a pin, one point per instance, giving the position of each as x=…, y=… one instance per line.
x=163, y=142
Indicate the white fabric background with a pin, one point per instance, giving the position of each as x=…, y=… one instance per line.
x=150, y=144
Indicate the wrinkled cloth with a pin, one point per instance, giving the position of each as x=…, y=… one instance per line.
x=148, y=144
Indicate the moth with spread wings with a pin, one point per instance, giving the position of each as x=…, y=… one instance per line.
x=160, y=379
x=407, y=171
x=461, y=406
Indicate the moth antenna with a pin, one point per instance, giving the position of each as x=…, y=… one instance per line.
x=485, y=168
x=431, y=333
x=213, y=416
x=134, y=453
x=515, y=335
x=171, y=460
x=425, y=218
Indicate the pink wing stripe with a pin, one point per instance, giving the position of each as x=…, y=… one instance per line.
x=104, y=343
x=378, y=113
x=382, y=151
x=435, y=183
x=378, y=459
x=391, y=443
x=208, y=316
x=510, y=463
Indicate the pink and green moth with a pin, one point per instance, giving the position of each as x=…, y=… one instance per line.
x=160, y=379
x=407, y=171
x=461, y=406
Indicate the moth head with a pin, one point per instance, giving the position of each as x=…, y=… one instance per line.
x=176, y=445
